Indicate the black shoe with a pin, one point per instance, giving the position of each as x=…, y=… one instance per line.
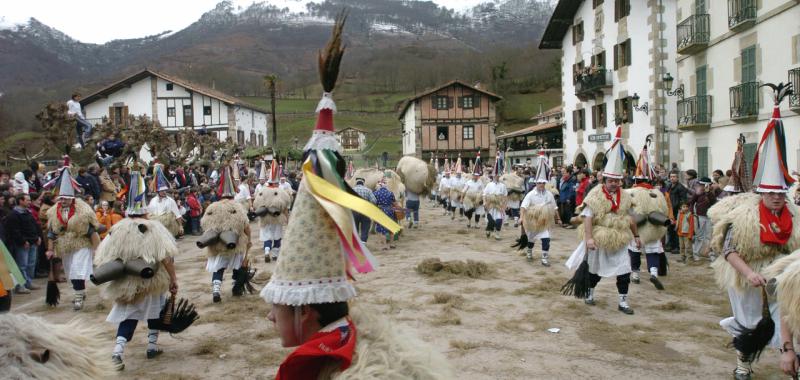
x=216, y=298
x=267, y=259
x=117, y=362
x=589, y=301
x=154, y=353
x=626, y=309
x=656, y=282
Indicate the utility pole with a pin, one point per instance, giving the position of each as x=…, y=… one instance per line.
x=270, y=82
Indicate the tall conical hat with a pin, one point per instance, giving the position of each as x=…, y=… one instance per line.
x=738, y=181
x=615, y=158
x=226, y=188
x=321, y=243
x=160, y=181
x=137, y=195
x=542, y=169
x=458, y=165
x=644, y=166
x=262, y=171
x=273, y=172
x=64, y=186
x=478, y=166
x=771, y=174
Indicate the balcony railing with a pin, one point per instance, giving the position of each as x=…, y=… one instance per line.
x=794, y=99
x=592, y=84
x=693, y=34
x=694, y=112
x=741, y=14
x=744, y=101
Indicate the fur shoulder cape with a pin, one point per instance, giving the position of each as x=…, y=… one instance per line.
x=73, y=236
x=644, y=201
x=539, y=217
x=276, y=199
x=77, y=350
x=386, y=350
x=226, y=215
x=786, y=271
x=132, y=239
x=610, y=230
x=742, y=216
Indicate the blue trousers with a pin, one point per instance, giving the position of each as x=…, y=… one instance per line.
x=26, y=261
x=363, y=224
x=128, y=326
x=413, y=208
x=272, y=243
x=653, y=260
x=545, y=244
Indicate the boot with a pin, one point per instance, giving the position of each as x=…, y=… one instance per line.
x=744, y=370
x=275, y=252
x=590, y=298
x=469, y=224
x=635, y=277
x=529, y=254
x=77, y=302
x=152, y=344
x=215, y=286
x=654, y=278
x=488, y=233
x=623, y=305
x=545, y=261
x=116, y=355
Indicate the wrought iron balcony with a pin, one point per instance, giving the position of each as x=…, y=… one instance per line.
x=695, y=112
x=794, y=99
x=741, y=14
x=591, y=84
x=693, y=34
x=744, y=101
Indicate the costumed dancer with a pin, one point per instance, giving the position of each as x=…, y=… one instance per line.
x=539, y=212
x=473, y=191
x=515, y=184
x=262, y=176
x=650, y=214
x=754, y=231
x=71, y=237
x=136, y=259
x=163, y=208
x=494, y=201
x=607, y=230
x=309, y=290
x=435, y=188
x=226, y=238
x=444, y=189
x=456, y=192
x=271, y=206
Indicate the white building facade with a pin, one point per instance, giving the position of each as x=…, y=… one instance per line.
x=615, y=53
x=175, y=104
x=727, y=50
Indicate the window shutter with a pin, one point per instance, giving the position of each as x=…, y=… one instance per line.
x=125, y=116
x=616, y=57
x=111, y=115
x=575, y=121
x=628, y=52
x=449, y=102
x=476, y=101
x=460, y=102
x=616, y=10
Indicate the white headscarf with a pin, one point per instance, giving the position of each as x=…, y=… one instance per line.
x=20, y=183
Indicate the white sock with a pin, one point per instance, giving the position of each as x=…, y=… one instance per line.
x=266, y=251
x=215, y=285
x=654, y=272
x=152, y=340
x=623, y=300
x=119, y=347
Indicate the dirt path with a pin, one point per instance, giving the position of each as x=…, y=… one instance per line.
x=494, y=327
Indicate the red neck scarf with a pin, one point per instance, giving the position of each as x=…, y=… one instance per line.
x=614, y=203
x=775, y=229
x=61, y=214
x=324, y=347
x=644, y=185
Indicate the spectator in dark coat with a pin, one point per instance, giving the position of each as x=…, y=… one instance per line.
x=678, y=194
x=24, y=237
x=566, y=196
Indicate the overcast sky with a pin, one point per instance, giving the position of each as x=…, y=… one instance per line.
x=99, y=21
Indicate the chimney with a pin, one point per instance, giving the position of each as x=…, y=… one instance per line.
x=540, y=109
x=477, y=85
x=214, y=85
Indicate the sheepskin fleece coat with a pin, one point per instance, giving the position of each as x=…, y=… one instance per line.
x=226, y=215
x=611, y=231
x=169, y=221
x=77, y=350
x=743, y=216
x=539, y=218
x=417, y=175
x=494, y=202
x=132, y=239
x=273, y=198
x=515, y=186
x=786, y=271
x=646, y=201
x=472, y=199
x=73, y=237
x=388, y=351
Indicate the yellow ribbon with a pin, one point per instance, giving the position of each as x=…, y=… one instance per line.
x=322, y=188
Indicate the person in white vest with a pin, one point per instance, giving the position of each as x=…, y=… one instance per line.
x=456, y=192
x=495, y=197
x=444, y=191
x=262, y=177
x=473, y=203
x=163, y=208
x=539, y=212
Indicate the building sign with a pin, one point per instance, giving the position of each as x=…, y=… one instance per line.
x=600, y=137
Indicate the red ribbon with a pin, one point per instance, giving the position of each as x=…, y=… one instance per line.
x=614, y=204
x=323, y=348
x=69, y=215
x=775, y=229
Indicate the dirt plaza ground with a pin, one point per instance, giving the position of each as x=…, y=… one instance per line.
x=493, y=325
